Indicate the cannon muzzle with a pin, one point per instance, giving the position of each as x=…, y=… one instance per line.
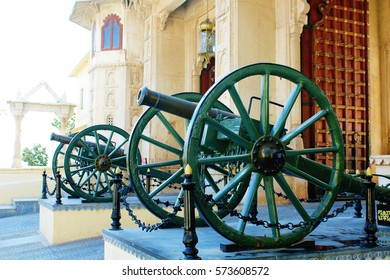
x=66, y=140
x=174, y=105
x=60, y=138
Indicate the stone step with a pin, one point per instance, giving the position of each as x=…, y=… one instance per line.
x=26, y=205
x=7, y=210
x=20, y=206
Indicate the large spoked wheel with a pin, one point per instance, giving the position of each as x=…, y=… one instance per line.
x=267, y=155
x=92, y=158
x=58, y=165
x=157, y=177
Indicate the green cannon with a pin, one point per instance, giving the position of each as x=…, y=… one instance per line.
x=246, y=152
x=89, y=159
x=241, y=155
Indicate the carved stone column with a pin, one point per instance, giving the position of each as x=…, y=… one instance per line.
x=17, y=159
x=386, y=97
x=298, y=17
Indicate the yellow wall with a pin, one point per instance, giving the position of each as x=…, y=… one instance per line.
x=75, y=220
x=20, y=183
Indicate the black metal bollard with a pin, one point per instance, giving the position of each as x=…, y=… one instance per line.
x=190, y=238
x=148, y=180
x=44, y=185
x=370, y=226
x=358, y=201
x=58, y=188
x=116, y=208
x=358, y=206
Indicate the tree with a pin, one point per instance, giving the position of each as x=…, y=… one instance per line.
x=69, y=126
x=36, y=156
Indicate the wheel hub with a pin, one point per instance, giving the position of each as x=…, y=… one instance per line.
x=268, y=155
x=102, y=163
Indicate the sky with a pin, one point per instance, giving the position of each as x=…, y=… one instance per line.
x=38, y=43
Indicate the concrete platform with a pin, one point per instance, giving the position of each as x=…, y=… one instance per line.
x=75, y=219
x=19, y=206
x=341, y=238
x=20, y=239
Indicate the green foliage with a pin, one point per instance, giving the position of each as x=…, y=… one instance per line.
x=3, y=112
x=69, y=126
x=36, y=156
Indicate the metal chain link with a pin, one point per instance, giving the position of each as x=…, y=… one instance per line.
x=290, y=226
x=142, y=225
x=47, y=186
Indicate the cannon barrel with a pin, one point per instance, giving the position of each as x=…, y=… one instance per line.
x=60, y=138
x=66, y=140
x=173, y=105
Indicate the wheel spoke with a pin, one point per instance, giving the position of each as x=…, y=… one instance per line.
x=246, y=120
x=81, y=158
x=296, y=153
x=107, y=179
x=250, y=196
x=112, y=170
x=301, y=174
x=179, y=196
x=291, y=195
x=82, y=169
x=305, y=125
x=245, y=172
x=119, y=158
x=264, y=105
x=81, y=178
x=160, y=164
x=95, y=193
x=223, y=159
x=281, y=121
x=230, y=134
x=211, y=182
x=85, y=145
x=162, y=145
x=89, y=177
x=108, y=142
x=167, y=182
x=97, y=141
x=118, y=148
x=271, y=204
x=171, y=130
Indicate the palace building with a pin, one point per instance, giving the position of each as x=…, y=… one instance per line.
x=174, y=46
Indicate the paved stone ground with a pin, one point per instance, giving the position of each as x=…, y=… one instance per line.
x=20, y=239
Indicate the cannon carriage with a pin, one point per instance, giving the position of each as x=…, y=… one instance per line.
x=248, y=151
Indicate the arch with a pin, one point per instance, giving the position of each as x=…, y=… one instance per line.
x=20, y=107
x=112, y=33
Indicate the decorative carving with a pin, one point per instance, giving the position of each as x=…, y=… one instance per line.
x=148, y=27
x=298, y=15
x=144, y=7
x=224, y=7
x=110, y=99
x=110, y=79
x=163, y=19
x=39, y=86
x=223, y=30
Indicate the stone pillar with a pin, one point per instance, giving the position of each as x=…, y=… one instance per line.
x=17, y=159
x=385, y=99
x=298, y=17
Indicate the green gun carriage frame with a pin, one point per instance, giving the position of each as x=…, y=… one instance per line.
x=234, y=156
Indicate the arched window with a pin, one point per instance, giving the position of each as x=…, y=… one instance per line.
x=112, y=31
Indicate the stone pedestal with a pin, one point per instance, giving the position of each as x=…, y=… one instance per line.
x=74, y=220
